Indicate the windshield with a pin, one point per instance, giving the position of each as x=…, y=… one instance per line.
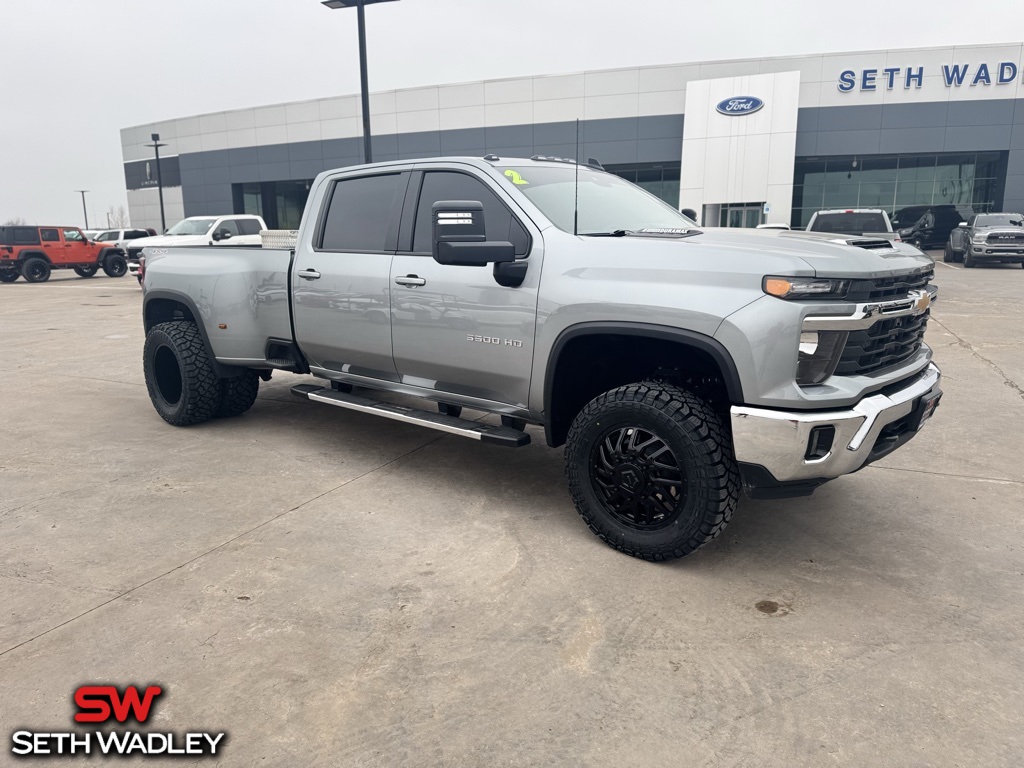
x=849, y=223
x=191, y=227
x=606, y=202
x=999, y=220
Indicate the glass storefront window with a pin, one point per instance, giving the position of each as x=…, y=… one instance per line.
x=970, y=180
x=280, y=203
x=661, y=179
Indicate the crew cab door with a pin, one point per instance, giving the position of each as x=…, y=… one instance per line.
x=341, y=280
x=53, y=247
x=76, y=247
x=454, y=328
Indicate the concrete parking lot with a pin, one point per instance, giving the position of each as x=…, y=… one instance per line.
x=333, y=589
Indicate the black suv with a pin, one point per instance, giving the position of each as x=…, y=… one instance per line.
x=928, y=226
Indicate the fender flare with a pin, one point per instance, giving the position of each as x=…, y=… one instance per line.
x=26, y=255
x=222, y=371
x=710, y=346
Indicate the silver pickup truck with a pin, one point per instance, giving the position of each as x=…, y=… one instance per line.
x=679, y=366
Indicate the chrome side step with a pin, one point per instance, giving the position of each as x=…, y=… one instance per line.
x=485, y=433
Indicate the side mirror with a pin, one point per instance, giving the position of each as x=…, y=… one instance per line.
x=222, y=234
x=962, y=224
x=460, y=239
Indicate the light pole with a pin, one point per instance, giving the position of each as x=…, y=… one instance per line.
x=159, y=179
x=360, y=5
x=85, y=213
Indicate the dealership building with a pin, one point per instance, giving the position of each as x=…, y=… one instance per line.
x=740, y=142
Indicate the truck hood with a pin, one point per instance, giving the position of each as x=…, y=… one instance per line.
x=828, y=255
x=999, y=230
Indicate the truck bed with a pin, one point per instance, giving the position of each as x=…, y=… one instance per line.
x=241, y=295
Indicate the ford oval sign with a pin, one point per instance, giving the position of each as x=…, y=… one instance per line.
x=739, y=105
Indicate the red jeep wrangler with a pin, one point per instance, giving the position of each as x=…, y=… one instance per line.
x=31, y=252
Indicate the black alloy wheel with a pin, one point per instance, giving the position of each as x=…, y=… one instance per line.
x=36, y=270
x=651, y=470
x=638, y=478
x=8, y=275
x=115, y=265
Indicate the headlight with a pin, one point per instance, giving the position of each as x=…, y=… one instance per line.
x=979, y=237
x=802, y=287
x=819, y=355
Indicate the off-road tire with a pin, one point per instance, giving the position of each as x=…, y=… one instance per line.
x=238, y=394
x=8, y=275
x=969, y=263
x=700, y=446
x=949, y=255
x=115, y=265
x=35, y=270
x=181, y=381
x=85, y=271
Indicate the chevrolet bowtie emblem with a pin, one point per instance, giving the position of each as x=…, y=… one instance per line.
x=923, y=303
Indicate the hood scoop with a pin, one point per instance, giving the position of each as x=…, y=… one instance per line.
x=870, y=243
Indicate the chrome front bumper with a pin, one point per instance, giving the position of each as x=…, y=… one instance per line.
x=778, y=440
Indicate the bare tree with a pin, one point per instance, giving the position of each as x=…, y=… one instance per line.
x=15, y=221
x=118, y=217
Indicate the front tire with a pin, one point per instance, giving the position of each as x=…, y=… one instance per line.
x=115, y=265
x=651, y=470
x=85, y=271
x=969, y=262
x=36, y=270
x=179, y=376
x=949, y=255
x=238, y=394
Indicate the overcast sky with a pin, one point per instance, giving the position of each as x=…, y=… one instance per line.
x=74, y=72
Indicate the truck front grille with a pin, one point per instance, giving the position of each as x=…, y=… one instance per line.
x=885, y=344
x=1006, y=238
x=887, y=288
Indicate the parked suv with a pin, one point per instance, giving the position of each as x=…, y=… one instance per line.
x=987, y=237
x=31, y=252
x=928, y=226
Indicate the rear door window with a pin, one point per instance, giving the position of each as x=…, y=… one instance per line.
x=49, y=235
x=26, y=236
x=360, y=212
x=248, y=226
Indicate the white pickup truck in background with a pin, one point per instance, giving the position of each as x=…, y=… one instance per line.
x=236, y=229
x=860, y=222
